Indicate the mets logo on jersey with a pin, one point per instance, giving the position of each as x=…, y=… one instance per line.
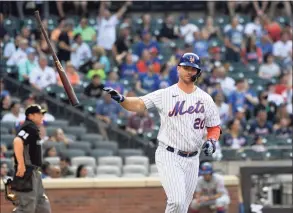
x=178, y=109
x=191, y=59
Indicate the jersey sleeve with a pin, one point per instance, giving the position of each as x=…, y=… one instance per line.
x=27, y=134
x=212, y=115
x=153, y=99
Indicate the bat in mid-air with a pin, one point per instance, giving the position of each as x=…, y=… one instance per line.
x=65, y=81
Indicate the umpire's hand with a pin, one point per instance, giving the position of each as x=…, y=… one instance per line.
x=114, y=94
x=20, y=170
x=209, y=147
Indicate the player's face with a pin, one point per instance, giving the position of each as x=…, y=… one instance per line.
x=185, y=73
x=37, y=118
x=207, y=177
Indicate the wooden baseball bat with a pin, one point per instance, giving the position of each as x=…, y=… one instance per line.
x=65, y=81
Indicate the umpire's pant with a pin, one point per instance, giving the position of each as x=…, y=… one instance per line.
x=35, y=201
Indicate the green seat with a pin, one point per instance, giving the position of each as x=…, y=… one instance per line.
x=287, y=154
x=11, y=24
x=4, y=130
x=273, y=154
x=282, y=20
x=221, y=21
x=9, y=153
x=52, y=22
x=30, y=22
x=252, y=155
x=229, y=154
x=243, y=19
x=54, y=89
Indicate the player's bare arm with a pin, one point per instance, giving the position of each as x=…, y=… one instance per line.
x=18, y=150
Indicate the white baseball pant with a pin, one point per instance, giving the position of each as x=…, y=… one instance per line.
x=178, y=176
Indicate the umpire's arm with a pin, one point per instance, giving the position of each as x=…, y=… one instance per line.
x=18, y=151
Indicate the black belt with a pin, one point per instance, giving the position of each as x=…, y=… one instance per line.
x=182, y=153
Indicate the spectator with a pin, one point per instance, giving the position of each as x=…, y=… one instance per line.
x=100, y=57
x=269, y=69
x=86, y=32
x=64, y=166
x=282, y=113
x=55, y=172
x=95, y=88
x=72, y=75
x=240, y=115
x=43, y=75
x=144, y=60
x=254, y=28
x=237, y=5
x=97, y=69
x=46, y=170
x=223, y=108
x=81, y=171
x=5, y=104
x=57, y=31
x=43, y=134
x=3, y=149
x=128, y=69
x=27, y=65
x=187, y=29
x=60, y=137
x=272, y=27
x=169, y=30
x=282, y=49
x=64, y=48
x=48, y=117
x=233, y=41
x=139, y=123
x=283, y=128
x=3, y=91
x=108, y=110
x=242, y=97
x=42, y=46
x=146, y=24
x=210, y=29
x=148, y=82
x=284, y=81
x=107, y=23
x=112, y=81
x=4, y=170
x=50, y=152
x=286, y=6
x=273, y=96
x=234, y=137
x=260, y=125
x=251, y=53
x=269, y=106
x=201, y=44
x=266, y=44
x=258, y=145
x=146, y=43
x=15, y=115
x=164, y=76
x=81, y=52
x=19, y=54
x=227, y=83
x=122, y=45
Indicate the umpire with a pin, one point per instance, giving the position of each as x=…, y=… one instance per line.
x=27, y=181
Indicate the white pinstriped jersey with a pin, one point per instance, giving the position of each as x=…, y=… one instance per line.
x=184, y=117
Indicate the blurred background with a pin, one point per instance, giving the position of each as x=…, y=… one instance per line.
x=134, y=47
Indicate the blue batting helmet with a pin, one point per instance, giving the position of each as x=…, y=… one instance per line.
x=191, y=60
x=206, y=168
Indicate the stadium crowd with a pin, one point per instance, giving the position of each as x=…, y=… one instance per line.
x=246, y=60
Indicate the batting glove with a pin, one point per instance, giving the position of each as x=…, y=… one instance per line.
x=114, y=94
x=209, y=147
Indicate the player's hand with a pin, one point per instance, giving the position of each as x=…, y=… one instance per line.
x=114, y=94
x=20, y=170
x=209, y=147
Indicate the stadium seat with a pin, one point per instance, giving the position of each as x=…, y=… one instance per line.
x=273, y=154
x=137, y=160
x=4, y=130
x=108, y=170
x=71, y=137
x=58, y=123
x=229, y=154
x=7, y=138
x=71, y=153
x=90, y=171
x=97, y=153
x=30, y=22
x=85, y=146
x=51, y=130
x=75, y=130
x=252, y=155
x=133, y=175
x=11, y=24
x=287, y=155
x=135, y=169
x=153, y=168
x=83, y=160
x=8, y=161
x=154, y=174
x=130, y=152
x=106, y=145
x=110, y=161
x=53, y=160
x=59, y=146
x=8, y=153
x=9, y=125
x=52, y=22
x=91, y=137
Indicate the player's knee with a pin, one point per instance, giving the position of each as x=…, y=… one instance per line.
x=177, y=205
x=194, y=205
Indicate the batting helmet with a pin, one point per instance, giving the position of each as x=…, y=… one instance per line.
x=191, y=60
x=206, y=168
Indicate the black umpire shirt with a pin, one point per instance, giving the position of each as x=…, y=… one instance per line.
x=29, y=133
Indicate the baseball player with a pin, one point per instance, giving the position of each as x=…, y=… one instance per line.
x=185, y=111
x=210, y=191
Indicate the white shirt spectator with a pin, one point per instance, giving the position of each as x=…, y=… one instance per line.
x=268, y=71
x=224, y=112
x=227, y=85
x=18, y=56
x=9, y=49
x=12, y=118
x=282, y=49
x=81, y=55
x=43, y=78
x=228, y=27
x=276, y=98
x=252, y=28
x=48, y=117
x=107, y=32
x=187, y=31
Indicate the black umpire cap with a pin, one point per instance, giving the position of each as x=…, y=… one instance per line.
x=35, y=108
